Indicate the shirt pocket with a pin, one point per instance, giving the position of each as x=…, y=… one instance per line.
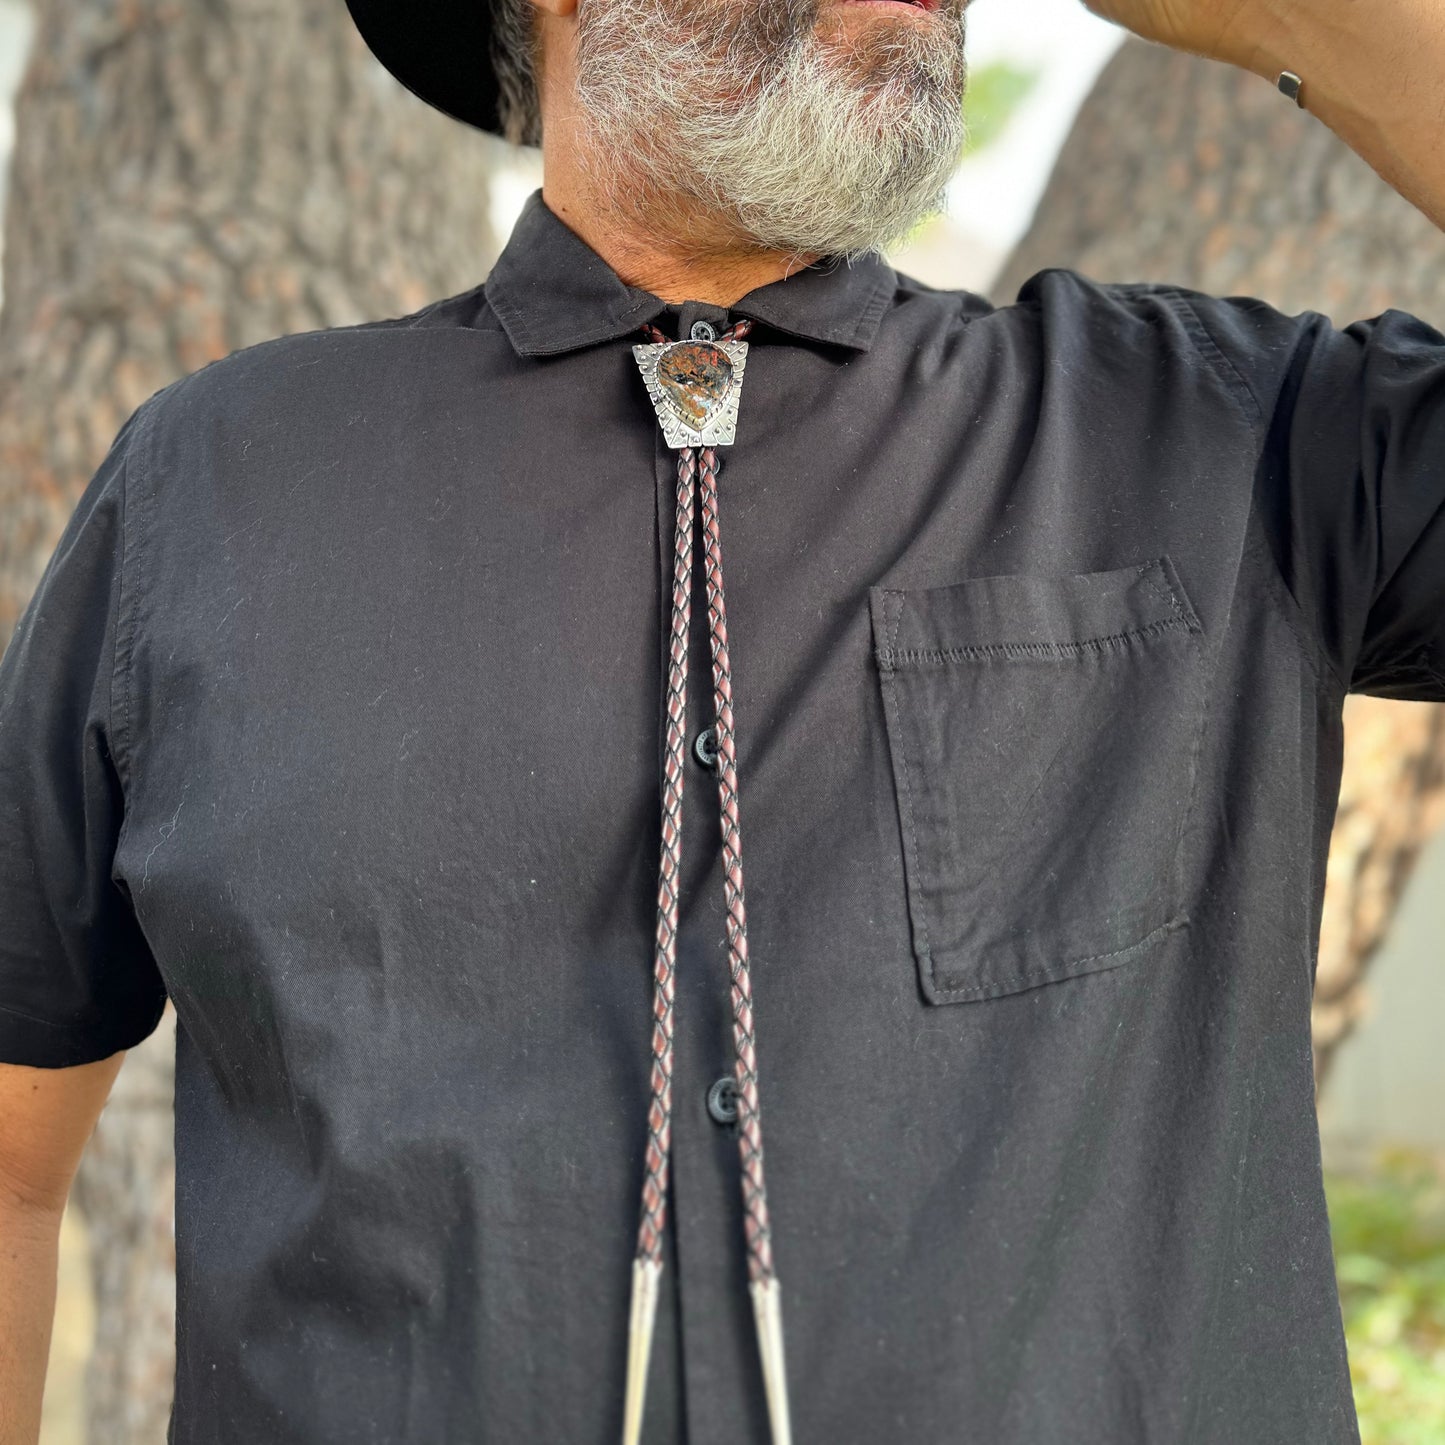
x=1043, y=733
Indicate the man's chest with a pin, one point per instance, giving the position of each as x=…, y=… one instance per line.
x=402, y=684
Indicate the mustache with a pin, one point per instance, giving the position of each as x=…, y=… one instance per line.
x=753, y=36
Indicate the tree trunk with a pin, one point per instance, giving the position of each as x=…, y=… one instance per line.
x=1187, y=171
x=191, y=176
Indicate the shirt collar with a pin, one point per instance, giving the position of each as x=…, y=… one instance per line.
x=553, y=293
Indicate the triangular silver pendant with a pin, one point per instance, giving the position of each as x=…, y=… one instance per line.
x=695, y=387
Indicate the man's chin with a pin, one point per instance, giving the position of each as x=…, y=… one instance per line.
x=839, y=146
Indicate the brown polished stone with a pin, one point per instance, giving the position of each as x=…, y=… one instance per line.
x=695, y=376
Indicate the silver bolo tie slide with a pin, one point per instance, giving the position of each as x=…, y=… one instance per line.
x=695, y=385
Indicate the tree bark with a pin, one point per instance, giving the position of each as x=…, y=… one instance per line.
x=1184, y=170
x=188, y=177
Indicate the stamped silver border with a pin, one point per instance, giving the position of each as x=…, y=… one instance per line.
x=720, y=428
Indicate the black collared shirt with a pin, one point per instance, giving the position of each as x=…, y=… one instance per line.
x=337, y=718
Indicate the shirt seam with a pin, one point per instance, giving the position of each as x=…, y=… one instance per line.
x=1176, y=921
x=1231, y=375
x=133, y=539
x=416, y=318
x=906, y=805
x=866, y=329
x=119, y=662
x=1239, y=387
x=982, y=651
x=110, y=1033
x=73, y=1030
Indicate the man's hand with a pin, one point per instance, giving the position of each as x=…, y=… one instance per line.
x=1374, y=73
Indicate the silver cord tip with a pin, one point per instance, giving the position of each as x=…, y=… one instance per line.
x=768, y=1312
x=646, y=1279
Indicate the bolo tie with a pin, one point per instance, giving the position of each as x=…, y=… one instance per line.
x=695, y=385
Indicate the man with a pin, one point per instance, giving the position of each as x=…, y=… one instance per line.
x=398, y=697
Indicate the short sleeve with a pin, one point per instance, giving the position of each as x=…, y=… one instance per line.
x=77, y=979
x=1351, y=482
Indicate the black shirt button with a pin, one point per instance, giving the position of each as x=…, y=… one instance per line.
x=704, y=748
x=722, y=1100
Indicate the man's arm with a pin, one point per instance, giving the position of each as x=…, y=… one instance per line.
x=46, y=1118
x=1373, y=70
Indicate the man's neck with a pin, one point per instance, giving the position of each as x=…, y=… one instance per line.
x=672, y=259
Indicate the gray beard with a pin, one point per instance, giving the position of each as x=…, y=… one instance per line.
x=767, y=123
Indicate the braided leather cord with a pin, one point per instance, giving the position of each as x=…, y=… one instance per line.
x=750, y=1123
x=659, y=1113
x=697, y=471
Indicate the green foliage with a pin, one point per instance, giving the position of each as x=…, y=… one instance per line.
x=994, y=92
x=1389, y=1237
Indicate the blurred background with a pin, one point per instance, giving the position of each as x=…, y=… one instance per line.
x=182, y=179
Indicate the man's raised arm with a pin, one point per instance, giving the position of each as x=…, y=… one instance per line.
x=1374, y=73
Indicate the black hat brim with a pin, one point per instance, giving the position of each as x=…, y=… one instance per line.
x=441, y=50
